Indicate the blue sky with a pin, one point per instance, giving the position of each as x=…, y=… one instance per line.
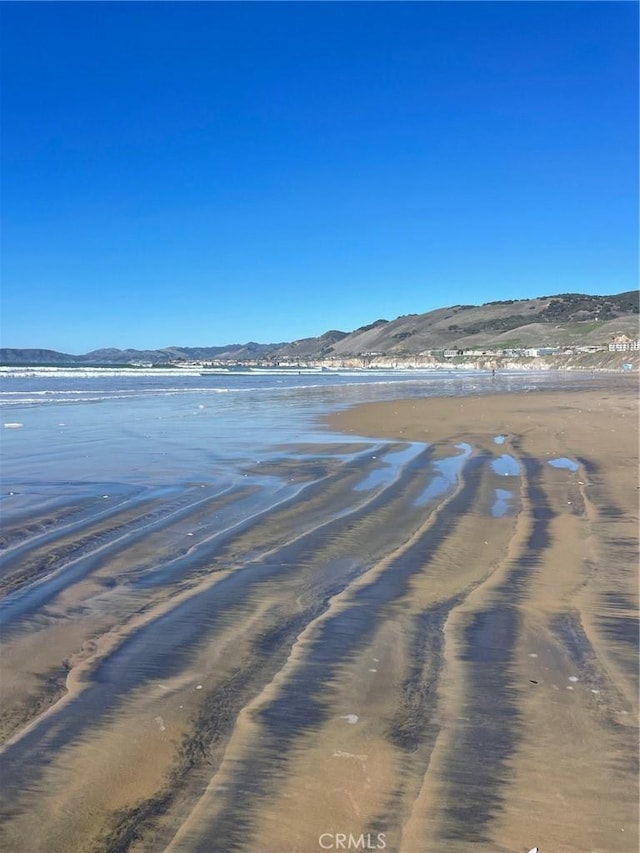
x=208, y=173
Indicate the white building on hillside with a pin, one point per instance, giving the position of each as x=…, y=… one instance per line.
x=621, y=343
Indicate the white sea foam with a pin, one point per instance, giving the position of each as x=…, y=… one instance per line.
x=24, y=372
x=78, y=371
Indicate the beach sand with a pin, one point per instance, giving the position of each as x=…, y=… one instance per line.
x=430, y=646
x=538, y=697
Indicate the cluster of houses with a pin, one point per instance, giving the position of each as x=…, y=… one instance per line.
x=522, y=352
x=622, y=343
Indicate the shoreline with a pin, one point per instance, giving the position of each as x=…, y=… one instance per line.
x=577, y=363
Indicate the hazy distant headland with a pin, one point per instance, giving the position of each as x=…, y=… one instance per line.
x=569, y=325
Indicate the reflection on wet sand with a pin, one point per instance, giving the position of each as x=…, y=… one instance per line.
x=376, y=639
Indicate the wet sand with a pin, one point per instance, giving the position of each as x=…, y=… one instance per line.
x=424, y=637
x=538, y=689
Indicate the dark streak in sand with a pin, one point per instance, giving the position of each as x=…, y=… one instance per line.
x=477, y=771
x=202, y=750
x=621, y=628
x=52, y=686
x=607, y=508
x=414, y=728
x=76, y=559
x=61, y=514
x=413, y=724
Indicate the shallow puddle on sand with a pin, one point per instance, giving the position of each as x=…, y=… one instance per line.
x=390, y=463
x=447, y=475
x=502, y=503
x=564, y=462
x=506, y=466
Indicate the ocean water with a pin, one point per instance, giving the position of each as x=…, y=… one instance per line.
x=100, y=425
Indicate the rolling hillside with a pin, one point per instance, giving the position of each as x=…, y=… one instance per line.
x=564, y=319
x=545, y=321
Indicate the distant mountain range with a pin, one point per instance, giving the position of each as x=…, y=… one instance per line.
x=564, y=319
